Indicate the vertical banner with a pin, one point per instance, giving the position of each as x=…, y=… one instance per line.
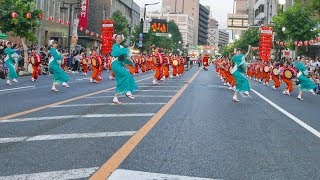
x=107, y=33
x=265, y=46
x=83, y=19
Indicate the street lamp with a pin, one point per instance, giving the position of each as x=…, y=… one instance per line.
x=145, y=9
x=64, y=8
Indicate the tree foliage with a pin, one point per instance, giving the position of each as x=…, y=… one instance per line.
x=298, y=22
x=249, y=37
x=121, y=25
x=19, y=26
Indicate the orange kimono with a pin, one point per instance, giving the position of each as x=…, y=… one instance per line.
x=97, y=66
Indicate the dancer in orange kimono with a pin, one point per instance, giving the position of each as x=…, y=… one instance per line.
x=97, y=67
x=158, y=62
x=35, y=60
x=275, y=76
x=165, y=66
x=84, y=64
x=288, y=82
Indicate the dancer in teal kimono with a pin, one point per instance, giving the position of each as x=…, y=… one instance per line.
x=238, y=72
x=10, y=60
x=306, y=84
x=125, y=83
x=59, y=75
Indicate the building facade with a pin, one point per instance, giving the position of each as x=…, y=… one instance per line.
x=223, y=38
x=188, y=7
x=213, y=33
x=238, y=21
x=204, y=13
x=183, y=21
x=98, y=11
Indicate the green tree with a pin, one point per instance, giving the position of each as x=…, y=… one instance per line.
x=227, y=50
x=121, y=25
x=249, y=37
x=20, y=26
x=297, y=22
x=177, y=40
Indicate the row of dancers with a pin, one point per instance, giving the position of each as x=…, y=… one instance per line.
x=120, y=61
x=235, y=73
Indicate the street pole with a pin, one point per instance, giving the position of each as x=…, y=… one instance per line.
x=40, y=30
x=69, y=30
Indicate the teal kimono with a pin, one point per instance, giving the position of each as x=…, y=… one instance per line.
x=305, y=83
x=242, y=83
x=59, y=75
x=125, y=81
x=9, y=61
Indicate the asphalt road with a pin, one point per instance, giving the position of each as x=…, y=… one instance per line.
x=203, y=135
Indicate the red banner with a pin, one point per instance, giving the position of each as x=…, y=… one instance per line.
x=107, y=33
x=265, y=43
x=83, y=19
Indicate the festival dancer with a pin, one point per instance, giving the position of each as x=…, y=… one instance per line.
x=165, y=66
x=305, y=84
x=275, y=76
x=289, y=89
x=35, y=60
x=97, y=67
x=158, y=61
x=84, y=64
x=242, y=83
x=10, y=60
x=59, y=75
x=125, y=84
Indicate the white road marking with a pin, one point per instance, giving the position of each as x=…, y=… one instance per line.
x=82, y=79
x=76, y=116
x=144, y=96
x=25, y=87
x=161, y=86
x=67, y=136
x=157, y=90
x=295, y=119
x=103, y=104
x=54, y=175
x=121, y=174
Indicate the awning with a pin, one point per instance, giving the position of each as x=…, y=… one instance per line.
x=3, y=36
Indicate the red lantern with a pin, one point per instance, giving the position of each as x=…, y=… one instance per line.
x=281, y=43
x=318, y=39
x=295, y=43
x=14, y=15
x=51, y=18
x=277, y=42
x=87, y=31
x=40, y=16
x=68, y=23
x=311, y=42
x=305, y=43
x=81, y=28
x=59, y=21
x=28, y=15
x=92, y=34
x=300, y=43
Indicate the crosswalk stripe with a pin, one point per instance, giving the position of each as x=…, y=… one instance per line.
x=76, y=116
x=121, y=174
x=26, y=87
x=104, y=104
x=157, y=90
x=67, y=136
x=161, y=86
x=144, y=96
x=61, y=175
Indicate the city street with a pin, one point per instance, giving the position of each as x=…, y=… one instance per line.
x=183, y=128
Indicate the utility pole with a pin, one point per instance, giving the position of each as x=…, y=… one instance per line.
x=40, y=30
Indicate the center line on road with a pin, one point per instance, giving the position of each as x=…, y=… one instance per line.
x=117, y=158
x=11, y=89
x=103, y=104
x=67, y=136
x=295, y=119
x=82, y=79
x=61, y=102
x=156, y=90
x=77, y=116
x=61, y=175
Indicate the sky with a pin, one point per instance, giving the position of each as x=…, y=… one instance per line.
x=219, y=8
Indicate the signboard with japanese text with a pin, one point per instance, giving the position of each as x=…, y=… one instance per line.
x=159, y=26
x=107, y=33
x=83, y=18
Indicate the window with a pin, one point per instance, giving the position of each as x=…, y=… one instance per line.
x=58, y=14
x=48, y=8
x=54, y=9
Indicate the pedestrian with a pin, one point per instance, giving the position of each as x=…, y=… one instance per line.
x=10, y=60
x=305, y=84
x=125, y=83
x=96, y=65
x=35, y=60
x=59, y=75
x=242, y=83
